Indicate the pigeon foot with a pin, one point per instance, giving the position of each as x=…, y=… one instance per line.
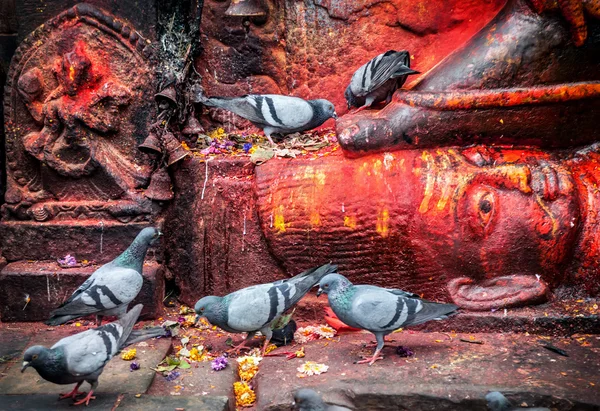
x=236, y=349
x=370, y=360
x=71, y=394
x=87, y=399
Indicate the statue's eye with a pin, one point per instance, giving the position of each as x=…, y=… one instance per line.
x=486, y=206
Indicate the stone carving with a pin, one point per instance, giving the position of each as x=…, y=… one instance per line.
x=78, y=101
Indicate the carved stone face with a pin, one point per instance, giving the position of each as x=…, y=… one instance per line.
x=425, y=220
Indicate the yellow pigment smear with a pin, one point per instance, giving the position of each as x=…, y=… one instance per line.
x=383, y=220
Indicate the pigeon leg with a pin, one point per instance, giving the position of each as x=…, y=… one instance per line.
x=373, y=344
x=268, y=334
x=375, y=357
x=98, y=320
x=89, y=396
x=270, y=140
x=73, y=393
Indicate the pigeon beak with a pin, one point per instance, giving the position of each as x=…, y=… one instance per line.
x=197, y=319
x=320, y=291
x=335, y=116
x=25, y=365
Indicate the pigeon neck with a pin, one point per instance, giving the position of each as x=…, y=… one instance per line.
x=218, y=312
x=134, y=256
x=319, y=116
x=54, y=366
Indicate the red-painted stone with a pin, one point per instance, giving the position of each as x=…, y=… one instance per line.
x=311, y=49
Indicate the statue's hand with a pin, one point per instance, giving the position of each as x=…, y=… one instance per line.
x=573, y=12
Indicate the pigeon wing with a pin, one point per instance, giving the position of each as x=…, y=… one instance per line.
x=377, y=309
x=249, y=309
x=377, y=71
x=89, y=351
x=109, y=289
x=268, y=110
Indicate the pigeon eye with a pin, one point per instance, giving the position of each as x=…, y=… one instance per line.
x=34, y=357
x=326, y=285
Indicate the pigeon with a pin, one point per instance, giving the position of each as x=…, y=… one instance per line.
x=378, y=310
x=498, y=402
x=82, y=357
x=378, y=79
x=257, y=307
x=306, y=399
x=277, y=114
x=110, y=289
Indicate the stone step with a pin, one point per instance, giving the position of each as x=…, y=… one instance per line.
x=114, y=401
x=48, y=285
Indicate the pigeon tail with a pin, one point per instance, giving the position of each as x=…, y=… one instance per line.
x=127, y=322
x=144, y=334
x=433, y=311
x=60, y=319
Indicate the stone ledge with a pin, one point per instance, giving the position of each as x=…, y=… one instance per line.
x=26, y=240
x=48, y=286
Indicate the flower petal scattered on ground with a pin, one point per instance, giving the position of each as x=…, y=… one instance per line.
x=312, y=368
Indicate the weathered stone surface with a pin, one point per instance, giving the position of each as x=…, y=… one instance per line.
x=48, y=285
x=102, y=402
x=116, y=378
x=98, y=241
x=201, y=382
x=213, y=240
x=145, y=402
x=31, y=13
x=443, y=374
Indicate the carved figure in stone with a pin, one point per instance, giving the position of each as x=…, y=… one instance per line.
x=78, y=102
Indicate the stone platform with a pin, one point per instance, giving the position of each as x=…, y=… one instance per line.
x=448, y=371
x=48, y=285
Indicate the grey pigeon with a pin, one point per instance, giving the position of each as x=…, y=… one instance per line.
x=110, y=289
x=306, y=399
x=498, y=402
x=277, y=114
x=257, y=307
x=378, y=79
x=378, y=310
x=82, y=357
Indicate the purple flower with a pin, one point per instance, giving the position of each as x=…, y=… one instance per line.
x=181, y=320
x=219, y=363
x=173, y=375
x=247, y=147
x=404, y=351
x=69, y=260
x=134, y=366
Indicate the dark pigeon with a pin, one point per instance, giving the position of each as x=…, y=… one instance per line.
x=111, y=288
x=378, y=310
x=82, y=357
x=277, y=114
x=306, y=399
x=256, y=308
x=378, y=79
x=498, y=402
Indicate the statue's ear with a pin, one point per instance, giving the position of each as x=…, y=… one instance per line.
x=500, y=292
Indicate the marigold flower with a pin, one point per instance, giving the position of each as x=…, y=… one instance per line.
x=244, y=395
x=129, y=354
